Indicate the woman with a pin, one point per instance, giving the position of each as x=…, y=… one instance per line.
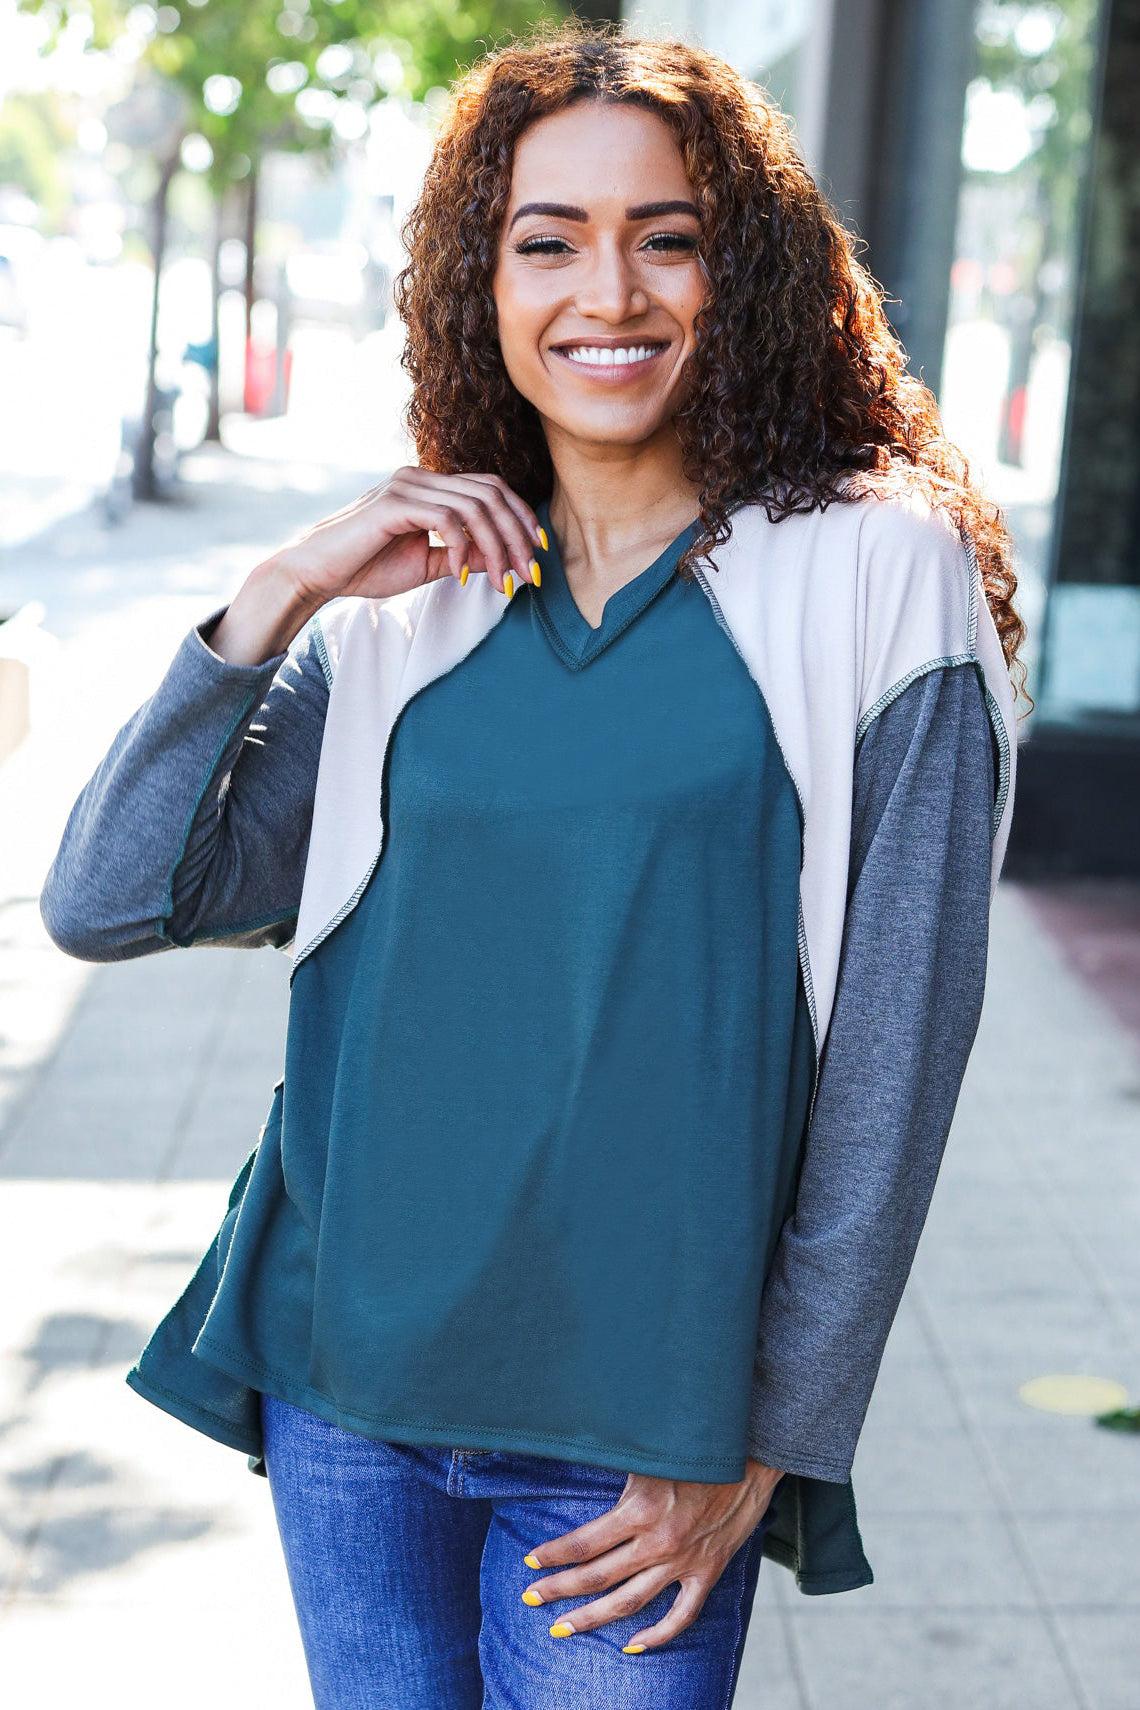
x=665, y=735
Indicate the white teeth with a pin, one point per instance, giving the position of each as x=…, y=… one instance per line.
x=609, y=356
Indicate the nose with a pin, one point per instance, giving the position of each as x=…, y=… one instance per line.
x=611, y=291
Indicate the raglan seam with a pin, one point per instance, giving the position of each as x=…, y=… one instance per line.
x=316, y=629
x=993, y=713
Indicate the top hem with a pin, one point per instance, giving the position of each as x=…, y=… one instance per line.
x=705, y=1469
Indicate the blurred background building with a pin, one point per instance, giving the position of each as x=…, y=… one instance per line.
x=988, y=151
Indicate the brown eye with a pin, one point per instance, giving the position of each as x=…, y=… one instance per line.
x=664, y=243
x=542, y=246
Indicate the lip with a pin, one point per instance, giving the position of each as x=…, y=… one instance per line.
x=611, y=374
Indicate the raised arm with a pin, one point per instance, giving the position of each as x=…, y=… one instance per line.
x=194, y=827
x=906, y=1013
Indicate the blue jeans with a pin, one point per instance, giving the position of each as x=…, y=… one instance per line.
x=407, y=1572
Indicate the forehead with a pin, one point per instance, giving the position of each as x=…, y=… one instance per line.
x=596, y=154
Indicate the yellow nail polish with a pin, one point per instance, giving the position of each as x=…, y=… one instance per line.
x=508, y=584
x=545, y=542
x=531, y=1597
x=561, y=1630
x=532, y=1561
x=463, y=574
x=633, y=1649
x=536, y=572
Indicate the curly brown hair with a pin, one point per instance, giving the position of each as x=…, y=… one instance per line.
x=799, y=393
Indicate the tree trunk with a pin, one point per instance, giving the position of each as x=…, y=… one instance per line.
x=214, y=418
x=143, y=478
x=250, y=259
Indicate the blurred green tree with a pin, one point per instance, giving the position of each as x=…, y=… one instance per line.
x=254, y=76
x=33, y=135
x=1042, y=52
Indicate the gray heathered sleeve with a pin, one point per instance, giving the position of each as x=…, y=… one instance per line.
x=907, y=1007
x=194, y=827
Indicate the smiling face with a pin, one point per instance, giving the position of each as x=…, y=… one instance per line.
x=598, y=282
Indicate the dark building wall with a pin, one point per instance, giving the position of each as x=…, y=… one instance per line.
x=892, y=153
x=1098, y=533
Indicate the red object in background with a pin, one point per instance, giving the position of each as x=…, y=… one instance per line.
x=261, y=376
x=1016, y=413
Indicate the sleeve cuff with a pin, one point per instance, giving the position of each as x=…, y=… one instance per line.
x=198, y=639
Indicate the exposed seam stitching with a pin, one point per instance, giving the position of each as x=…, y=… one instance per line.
x=801, y=929
x=993, y=711
x=896, y=689
x=318, y=635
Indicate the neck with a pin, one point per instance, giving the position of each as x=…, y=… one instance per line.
x=613, y=504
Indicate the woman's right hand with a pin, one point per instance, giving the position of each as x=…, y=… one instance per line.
x=381, y=545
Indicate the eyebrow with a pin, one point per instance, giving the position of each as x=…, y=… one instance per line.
x=568, y=211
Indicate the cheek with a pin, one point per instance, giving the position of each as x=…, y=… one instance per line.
x=687, y=304
x=523, y=311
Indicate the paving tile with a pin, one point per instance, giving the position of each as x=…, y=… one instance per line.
x=1105, y=1645
x=903, y=1469
x=1089, y=1559
x=933, y=1659
x=932, y=1561
x=766, y=1681
x=96, y=1548
x=1054, y=1463
x=115, y=1657
x=1065, y=1332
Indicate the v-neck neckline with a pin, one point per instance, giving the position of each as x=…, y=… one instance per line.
x=574, y=638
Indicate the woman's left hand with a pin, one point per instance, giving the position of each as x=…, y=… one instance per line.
x=659, y=1530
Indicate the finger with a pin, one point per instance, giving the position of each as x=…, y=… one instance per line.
x=446, y=524
x=686, y=1606
x=446, y=557
x=492, y=521
x=526, y=515
x=597, y=1575
x=424, y=500
x=616, y=1526
x=626, y=1600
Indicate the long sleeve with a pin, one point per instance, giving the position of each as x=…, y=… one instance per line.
x=907, y=1007
x=194, y=827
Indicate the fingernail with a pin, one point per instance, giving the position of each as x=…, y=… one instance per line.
x=536, y=573
x=463, y=574
x=561, y=1630
x=633, y=1649
x=508, y=584
x=543, y=539
x=532, y=1560
x=531, y=1596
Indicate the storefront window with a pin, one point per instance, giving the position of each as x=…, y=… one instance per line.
x=1016, y=276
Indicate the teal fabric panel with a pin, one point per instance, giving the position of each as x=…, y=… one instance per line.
x=545, y=1085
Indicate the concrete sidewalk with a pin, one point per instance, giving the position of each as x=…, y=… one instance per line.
x=139, y=1561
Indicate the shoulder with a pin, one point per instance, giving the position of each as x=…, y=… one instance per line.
x=889, y=573
x=909, y=548
x=918, y=588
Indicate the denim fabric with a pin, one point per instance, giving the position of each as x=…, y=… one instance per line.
x=406, y=1566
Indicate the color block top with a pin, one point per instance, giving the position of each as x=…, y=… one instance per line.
x=198, y=828
x=545, y=1086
